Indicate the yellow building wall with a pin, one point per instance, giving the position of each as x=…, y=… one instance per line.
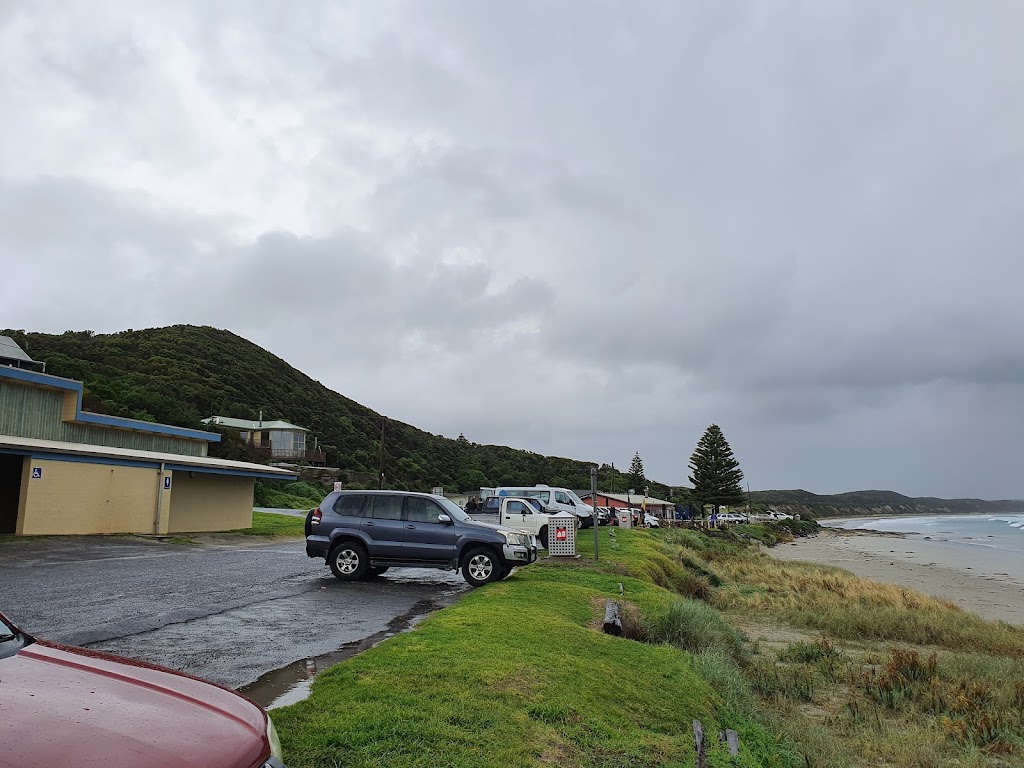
x=205, y=502
x=80, y=498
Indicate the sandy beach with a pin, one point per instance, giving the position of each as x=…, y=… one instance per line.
x=990, y=584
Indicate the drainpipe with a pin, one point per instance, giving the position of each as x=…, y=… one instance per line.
x=159, y=499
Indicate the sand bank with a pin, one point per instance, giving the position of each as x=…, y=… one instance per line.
x=990, y=584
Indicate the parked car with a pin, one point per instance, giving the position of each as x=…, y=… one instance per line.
x=651, y=521
x=67, y=707
x=363, y=533
x=731, y=518
x=605, y=515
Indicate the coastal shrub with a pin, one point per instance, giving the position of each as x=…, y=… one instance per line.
x=794, y=682
x=809, y=653
x=695, y=627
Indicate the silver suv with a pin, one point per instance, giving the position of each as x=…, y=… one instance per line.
x=363, y=533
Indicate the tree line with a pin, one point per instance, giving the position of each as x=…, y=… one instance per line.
x=180, y=374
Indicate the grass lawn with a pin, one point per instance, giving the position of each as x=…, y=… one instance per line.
x=810, y=664
x=517, y=674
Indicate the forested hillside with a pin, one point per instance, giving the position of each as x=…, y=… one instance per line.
x=876, y=503
x=183, y=373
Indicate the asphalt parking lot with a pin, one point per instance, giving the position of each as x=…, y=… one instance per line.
x=228, y=611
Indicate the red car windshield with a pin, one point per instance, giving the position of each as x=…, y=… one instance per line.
x=11, y=640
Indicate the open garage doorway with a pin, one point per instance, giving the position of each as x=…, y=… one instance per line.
x=10, y=491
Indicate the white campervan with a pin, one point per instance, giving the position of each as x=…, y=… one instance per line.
x=555, y=499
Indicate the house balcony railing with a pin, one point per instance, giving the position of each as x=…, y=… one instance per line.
x=266, y=453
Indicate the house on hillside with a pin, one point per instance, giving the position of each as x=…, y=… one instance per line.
x=64, y=470
x=14, y=356
x=272, y=440
x=658, y=507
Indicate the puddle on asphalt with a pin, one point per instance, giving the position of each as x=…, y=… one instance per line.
x=294, y=682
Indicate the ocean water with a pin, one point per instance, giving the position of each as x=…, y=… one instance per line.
x=980, y=533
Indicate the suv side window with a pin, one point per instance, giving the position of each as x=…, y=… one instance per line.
x=419, y=510
x=349, y=504
x=519, y=508
x=385, y=508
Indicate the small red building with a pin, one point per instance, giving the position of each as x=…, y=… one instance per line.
x=658, y=507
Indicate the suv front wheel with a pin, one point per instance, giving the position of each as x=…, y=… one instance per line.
x=349, y=561
x=480, y=566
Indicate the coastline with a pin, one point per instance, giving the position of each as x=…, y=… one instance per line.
x=991, y=585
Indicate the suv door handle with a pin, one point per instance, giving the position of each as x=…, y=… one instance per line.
x=369, y=523
x=411, y=527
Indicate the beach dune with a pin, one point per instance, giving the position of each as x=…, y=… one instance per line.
x=991, y=586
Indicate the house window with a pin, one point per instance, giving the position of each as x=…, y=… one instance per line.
x=287, y=441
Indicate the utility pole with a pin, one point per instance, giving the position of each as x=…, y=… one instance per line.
x=380, y=478
x=593, y=499
x=748, y=500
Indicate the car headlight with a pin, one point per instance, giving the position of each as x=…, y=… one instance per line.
x=517, y=539
x=274, y=739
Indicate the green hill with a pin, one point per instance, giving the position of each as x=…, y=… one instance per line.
x=876, y=503
x=180, y=374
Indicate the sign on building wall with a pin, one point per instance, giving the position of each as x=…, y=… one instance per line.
x=37, y=473
x=167, y=483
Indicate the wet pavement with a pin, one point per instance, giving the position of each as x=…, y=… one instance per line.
x=228, y=612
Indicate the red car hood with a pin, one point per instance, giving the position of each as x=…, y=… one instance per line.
x=69, y=707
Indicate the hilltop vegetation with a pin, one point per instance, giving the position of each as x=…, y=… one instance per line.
x=180, y=374
x=875, y=503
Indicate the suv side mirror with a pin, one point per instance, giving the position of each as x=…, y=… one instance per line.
x=443, y=518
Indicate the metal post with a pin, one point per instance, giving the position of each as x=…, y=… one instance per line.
x=593, y=499
x=380, y=479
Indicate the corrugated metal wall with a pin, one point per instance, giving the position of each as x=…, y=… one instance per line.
x=30, y=412
x=36, y=413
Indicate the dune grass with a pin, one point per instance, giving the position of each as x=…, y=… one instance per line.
x=842, y=605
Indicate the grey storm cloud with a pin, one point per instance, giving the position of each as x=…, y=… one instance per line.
x=800, y=221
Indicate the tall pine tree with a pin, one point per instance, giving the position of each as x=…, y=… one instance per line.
x=637, y=481
x=716, y=474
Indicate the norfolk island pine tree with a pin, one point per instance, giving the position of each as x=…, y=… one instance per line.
x=717, y=476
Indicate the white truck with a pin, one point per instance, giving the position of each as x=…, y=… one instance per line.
x=520, y=514
x=554, y=500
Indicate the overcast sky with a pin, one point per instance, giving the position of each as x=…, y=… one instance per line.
x=580, y=228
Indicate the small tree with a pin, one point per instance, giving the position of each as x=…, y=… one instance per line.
x=716, y=474
x=637, y=481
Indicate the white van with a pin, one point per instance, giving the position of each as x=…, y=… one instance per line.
x=554, y=499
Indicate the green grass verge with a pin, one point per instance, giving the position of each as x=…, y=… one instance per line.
x=290, y=495
x=516, y=674
x=269, y=524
